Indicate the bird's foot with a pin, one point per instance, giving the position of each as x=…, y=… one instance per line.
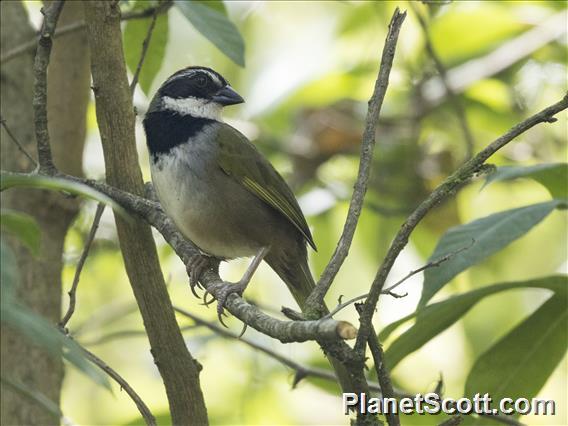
x=222, y=290
x=195, y=266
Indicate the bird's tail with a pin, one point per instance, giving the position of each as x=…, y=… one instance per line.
x=299, y=280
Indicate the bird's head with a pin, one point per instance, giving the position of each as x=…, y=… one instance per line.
x=196, y=91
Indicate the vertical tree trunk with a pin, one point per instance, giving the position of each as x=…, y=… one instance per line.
x=115, y=117
x=40, y=277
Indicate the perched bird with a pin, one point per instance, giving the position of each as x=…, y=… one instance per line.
x=219, y=190
x=222, y=193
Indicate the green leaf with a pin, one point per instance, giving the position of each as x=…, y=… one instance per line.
x=42, y=333
x=519, y=364
x=35, y=395
x=58, y=184
x=8, y=273
x=23, y=226
x=553, y=177
x=135, y=32
x=216, y=27
x=435, y=318
x=489, y=235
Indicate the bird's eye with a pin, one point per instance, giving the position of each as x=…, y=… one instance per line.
x=201, y=81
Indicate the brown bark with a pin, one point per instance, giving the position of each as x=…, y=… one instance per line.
x=115, y=116
x=40, y=278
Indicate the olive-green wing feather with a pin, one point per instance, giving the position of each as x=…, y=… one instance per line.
x=240, y=159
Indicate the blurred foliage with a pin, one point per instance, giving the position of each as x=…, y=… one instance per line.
x=311, y=67
x=134, y=36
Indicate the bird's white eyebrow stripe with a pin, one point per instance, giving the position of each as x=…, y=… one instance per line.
x=194, y=71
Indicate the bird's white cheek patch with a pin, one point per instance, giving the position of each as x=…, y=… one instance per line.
x=194, y=107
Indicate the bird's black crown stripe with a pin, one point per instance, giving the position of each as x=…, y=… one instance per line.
x=166, y=129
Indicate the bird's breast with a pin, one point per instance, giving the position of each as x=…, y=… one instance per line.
x=192, y=191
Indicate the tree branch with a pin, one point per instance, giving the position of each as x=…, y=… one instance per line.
x=315, y=300
x=72, y=293
x=14, y=139
x=447, y=188
x=51, y=15
x=142, y=407
x=115, y=117
x=145, y=45
x=301, y=371
x=382, y=374
x=151, y=212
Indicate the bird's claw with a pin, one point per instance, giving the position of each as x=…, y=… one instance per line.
x=222, y=292
x=196, y=265
x=205, y=301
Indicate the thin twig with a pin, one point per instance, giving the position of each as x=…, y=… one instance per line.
x=30, y=46
x=315, y=299
x=51, y=13
x=454, y=99
x=301, y=371
x=447, y=188
x=142, y=407
x=162, y=7
x=431, y=264
x=17, y=142
x=145, y=46
x=73, y=292
x=382, y=372
x=389, y=291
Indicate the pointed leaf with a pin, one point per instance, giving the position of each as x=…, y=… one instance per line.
x=33, y=394
x=42, y=333
x=135, y=32
x=216, y=27
x=8, y=273
x=489, y=235
x=23, y=226
x=519, y=364
x=437, y=317
x=552, y=176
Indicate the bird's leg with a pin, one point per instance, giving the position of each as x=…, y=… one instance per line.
x=223, y=289
x=195, y=266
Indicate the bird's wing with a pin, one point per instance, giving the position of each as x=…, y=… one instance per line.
x=240, y=159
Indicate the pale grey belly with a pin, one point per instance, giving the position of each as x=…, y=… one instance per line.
x=206, y=205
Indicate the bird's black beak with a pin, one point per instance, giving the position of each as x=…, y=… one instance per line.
x=227, y=96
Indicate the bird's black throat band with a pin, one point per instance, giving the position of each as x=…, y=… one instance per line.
x=166, y=129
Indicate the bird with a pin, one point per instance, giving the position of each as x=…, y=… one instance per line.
x=218, y=189
x=222, y=193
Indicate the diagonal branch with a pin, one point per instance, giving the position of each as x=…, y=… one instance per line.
x=51, y=15
x=73, y=292
x=152, y=213
x=367, y=147
x=446, y=189
x=142, y=407
x=301, y=371
x=14, y=139
x=145, y=45
x=382, y=375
